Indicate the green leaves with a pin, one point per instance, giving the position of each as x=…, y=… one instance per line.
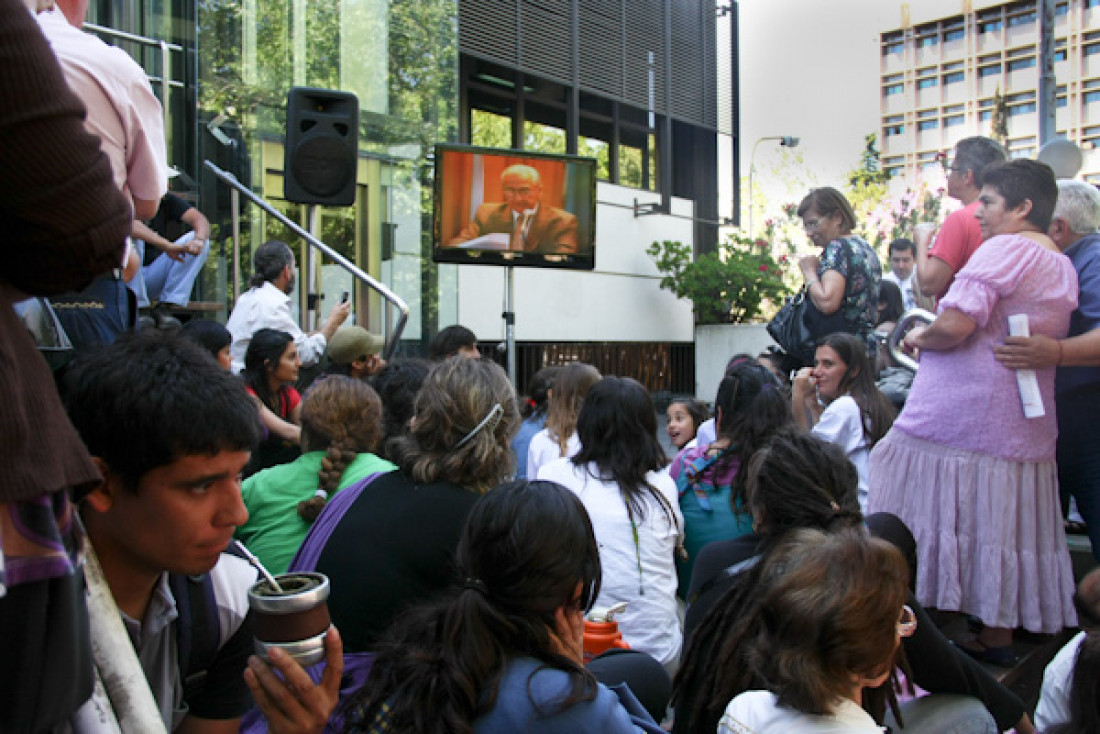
x=732, y=285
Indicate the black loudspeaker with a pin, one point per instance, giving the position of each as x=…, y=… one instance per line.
x=322, y=144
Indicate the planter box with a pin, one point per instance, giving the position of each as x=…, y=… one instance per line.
x=714, y=345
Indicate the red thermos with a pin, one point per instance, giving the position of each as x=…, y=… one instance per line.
x=601, y=631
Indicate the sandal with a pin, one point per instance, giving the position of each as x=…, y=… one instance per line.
x=1002, y=657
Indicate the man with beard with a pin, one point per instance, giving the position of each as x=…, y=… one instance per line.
x=266, y=305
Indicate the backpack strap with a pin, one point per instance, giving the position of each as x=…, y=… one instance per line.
x=198, y=629
x=691, y=477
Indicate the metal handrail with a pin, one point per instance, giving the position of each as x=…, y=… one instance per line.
x=391, y=297
x=893, y=342
x=165, y=59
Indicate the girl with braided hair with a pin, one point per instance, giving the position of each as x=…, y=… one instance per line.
x=341, y=427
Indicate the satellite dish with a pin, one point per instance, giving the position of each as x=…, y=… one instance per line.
x=1063, y=156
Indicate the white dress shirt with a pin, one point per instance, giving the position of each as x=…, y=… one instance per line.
x=267, y=307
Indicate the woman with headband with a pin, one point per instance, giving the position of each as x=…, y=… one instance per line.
x=389, y=544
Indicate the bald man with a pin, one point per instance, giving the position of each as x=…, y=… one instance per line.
x=531, y=226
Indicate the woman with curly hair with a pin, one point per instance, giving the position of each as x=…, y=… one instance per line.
x=389, y=543
x=341, y=426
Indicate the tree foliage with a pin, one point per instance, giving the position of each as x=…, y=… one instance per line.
x=738, y=283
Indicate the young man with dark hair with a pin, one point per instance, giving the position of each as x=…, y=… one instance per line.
x=903, y=257
x=170, y=432
x=454, y=340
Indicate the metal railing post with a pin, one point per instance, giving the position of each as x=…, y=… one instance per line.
x=393, y=338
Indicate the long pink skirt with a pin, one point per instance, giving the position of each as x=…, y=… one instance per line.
x=990, y=540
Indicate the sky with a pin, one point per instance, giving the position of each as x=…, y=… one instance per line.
x=811, y=68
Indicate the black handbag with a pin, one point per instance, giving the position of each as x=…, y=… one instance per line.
x=789, y=328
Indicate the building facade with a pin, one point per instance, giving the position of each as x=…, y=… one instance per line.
x=944, y=78
x=634, y=83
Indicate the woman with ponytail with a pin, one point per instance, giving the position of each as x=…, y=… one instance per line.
x=341, y=427
x=750, y=407
x=501, y=649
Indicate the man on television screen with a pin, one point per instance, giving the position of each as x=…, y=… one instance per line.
x=531, y=226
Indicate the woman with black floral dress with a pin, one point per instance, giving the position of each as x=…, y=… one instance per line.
x=843, y=281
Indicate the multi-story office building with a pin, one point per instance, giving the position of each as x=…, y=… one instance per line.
x=941, y=77
x=635, y=83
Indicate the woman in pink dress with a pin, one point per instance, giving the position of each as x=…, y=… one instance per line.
x=972, y=477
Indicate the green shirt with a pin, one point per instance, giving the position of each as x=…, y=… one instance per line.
x=274, y=530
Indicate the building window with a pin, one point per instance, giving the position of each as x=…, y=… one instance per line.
x=927, y=41
x=926, y=82
x=953, y=120
x=991, y=70
x=1091, y=3
x=989, y=26
x=953, y=34
x=1023, y=19
x=1091, y=97
x=923, y=125
x=1061, y=8
x=892, y=130
x=1061, y=101
x=1018, y=64
x=953, y=78
x=891, y=89
x=893, y=43
x=1021, y=109
x=1092, y=49
x=1060, y=55
x=984, y=115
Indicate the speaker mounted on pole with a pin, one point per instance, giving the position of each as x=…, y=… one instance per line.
x=322, y=145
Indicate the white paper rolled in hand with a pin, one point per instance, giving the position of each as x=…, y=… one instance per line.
x=1026, y=380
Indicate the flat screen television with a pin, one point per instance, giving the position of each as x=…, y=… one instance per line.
x=510, y=207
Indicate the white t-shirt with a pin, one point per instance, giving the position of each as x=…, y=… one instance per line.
x=543, y=449
x=650, y=623
x=842, y=424
x=1053, y=705
x=758, y=712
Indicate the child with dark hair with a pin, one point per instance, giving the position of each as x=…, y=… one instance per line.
x=749, y=408
x=397, y=384
x=619, y=476
x=211, y=336
x=341, y=427
x=684, y=415
x=533, y=412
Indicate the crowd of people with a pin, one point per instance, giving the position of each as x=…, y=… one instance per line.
x=776, y=571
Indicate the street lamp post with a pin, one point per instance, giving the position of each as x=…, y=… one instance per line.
x=787, y=141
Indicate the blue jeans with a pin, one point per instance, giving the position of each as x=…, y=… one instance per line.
x=165, y=279
x=943, y=713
